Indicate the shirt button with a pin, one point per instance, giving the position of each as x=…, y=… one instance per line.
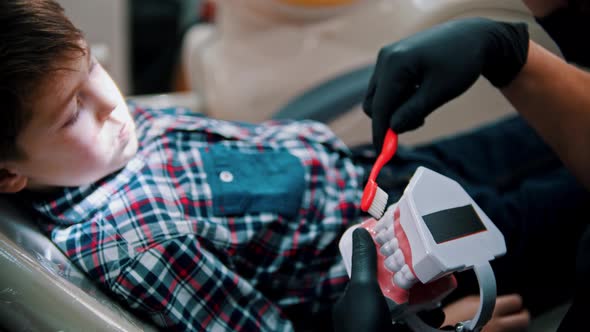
x=226, y=176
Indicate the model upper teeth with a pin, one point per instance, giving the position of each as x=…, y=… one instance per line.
x=384, y=235
x=381, y=225
x=404, y=278
x=399, y=257
x=408, y=273
x=394, y=261
x=389, y=247
x=392, y=265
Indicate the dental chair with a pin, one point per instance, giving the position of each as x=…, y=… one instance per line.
x=40, y=290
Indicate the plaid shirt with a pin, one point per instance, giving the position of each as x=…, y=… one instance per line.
x=215, y=225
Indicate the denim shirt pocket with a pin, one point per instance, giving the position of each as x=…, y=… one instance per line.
x=253, y=182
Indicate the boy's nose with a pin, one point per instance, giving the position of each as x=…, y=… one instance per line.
x=104, y=106
x=104, y=111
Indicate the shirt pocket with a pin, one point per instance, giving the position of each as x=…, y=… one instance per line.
x=253, y=182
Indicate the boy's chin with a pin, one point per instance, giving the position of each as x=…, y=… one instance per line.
x=125, y=156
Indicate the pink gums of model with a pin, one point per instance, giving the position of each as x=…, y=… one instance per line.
x=397, y=278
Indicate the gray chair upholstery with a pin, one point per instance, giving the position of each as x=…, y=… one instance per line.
x=40, y=290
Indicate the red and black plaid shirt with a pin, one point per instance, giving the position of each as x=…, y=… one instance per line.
x=216, y=225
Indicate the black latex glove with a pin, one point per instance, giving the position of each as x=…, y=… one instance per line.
x=363, y=306
x=418, y=74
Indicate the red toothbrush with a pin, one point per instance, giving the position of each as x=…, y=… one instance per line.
x=374, y=198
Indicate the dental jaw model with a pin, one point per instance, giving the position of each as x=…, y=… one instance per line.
x=435, y=229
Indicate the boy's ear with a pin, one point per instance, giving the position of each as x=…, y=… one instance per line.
x=11, y=182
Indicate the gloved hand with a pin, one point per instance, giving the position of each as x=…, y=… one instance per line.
x=363, y=306
x=418, y=74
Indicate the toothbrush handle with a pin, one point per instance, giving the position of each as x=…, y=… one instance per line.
x=387, y=152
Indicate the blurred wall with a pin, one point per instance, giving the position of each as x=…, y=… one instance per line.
x=106, y=26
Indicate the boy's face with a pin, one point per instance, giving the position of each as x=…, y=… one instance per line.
x=80, y=129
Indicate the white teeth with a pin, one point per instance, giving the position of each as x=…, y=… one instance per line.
x=391, y=264
x=404, y=278
x=385, y=235
x=395, y=262
x=381, y=237
x=390, y=247
x=401, y=281
x=380, y=225
x=408, y=273
x=399, y=257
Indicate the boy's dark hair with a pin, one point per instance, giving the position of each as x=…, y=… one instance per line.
x=34, y=36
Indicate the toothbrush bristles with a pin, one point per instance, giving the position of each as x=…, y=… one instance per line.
x=379, y=203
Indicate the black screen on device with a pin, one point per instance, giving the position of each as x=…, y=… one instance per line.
x=450, y=224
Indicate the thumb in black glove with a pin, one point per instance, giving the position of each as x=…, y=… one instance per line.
x=418, y=74
x=362, y=307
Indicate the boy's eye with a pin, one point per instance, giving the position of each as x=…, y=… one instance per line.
x=76, y=114
x=72, y=120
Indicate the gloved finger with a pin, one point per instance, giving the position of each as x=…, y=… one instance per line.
x=372, y=87
x=391, y=92
x=435, y=90
x=368, y=100
x=364, y=257
x=428, y=97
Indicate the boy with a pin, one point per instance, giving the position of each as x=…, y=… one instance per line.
x=196, y=224
x=204, y=224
